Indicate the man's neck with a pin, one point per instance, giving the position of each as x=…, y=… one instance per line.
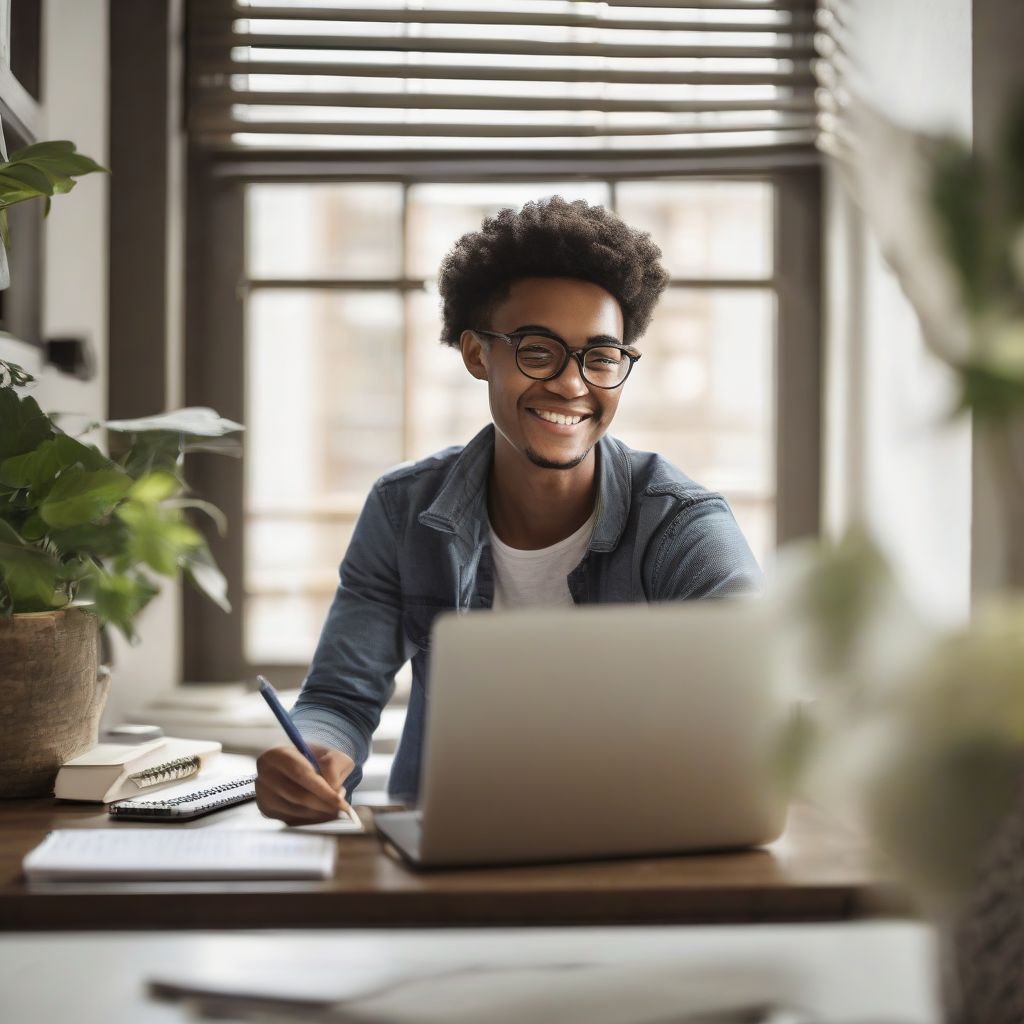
x=531, y=507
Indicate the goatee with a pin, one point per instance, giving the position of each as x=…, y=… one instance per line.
x=539, y=460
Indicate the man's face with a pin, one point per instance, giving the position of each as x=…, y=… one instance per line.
x=580, y=313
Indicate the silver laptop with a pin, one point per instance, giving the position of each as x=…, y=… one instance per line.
x=599, y=731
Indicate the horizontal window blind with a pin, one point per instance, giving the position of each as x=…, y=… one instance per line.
x=511, y=81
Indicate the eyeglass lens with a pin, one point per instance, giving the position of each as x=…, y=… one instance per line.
x=542, y=358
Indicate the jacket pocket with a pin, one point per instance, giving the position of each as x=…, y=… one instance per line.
x=418, y=615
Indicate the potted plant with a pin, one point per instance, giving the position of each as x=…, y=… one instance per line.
x=83, y=536
x=83, y=539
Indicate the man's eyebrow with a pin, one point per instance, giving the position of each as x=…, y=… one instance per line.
x=596, y=339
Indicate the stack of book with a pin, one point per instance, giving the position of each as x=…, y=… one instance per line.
x=118, y=771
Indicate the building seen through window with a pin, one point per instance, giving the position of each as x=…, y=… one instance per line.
x=346, y=375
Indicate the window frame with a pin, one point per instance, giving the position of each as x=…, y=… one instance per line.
x=217, y=286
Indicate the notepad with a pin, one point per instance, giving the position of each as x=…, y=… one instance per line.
x=84, y=854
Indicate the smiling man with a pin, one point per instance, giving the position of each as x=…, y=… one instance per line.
x=540, y=508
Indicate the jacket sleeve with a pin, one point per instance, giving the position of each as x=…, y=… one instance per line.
x=702, y=554
x=361, y=646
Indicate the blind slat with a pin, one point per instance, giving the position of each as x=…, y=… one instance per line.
x=720, y=5
x=480, y=14
x=799, y=19
x=507, y=47
x=253, y=164
x=494, y=130
x=800, y=75
x=219, y=98
x=798, y=146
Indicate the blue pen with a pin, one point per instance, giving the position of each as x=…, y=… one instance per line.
x=270, y=696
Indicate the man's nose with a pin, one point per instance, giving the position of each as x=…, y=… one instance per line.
x=569, y=383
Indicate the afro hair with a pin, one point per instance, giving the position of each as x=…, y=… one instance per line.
x=550, y=238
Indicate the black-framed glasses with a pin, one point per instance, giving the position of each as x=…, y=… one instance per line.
x=545, y=356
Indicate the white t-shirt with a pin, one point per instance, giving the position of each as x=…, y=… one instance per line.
x=529, y=578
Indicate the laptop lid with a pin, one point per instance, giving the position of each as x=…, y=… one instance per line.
x=597, y=731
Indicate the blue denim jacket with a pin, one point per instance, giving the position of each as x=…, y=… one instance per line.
x=422, y=547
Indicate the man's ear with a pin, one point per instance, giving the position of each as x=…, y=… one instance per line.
x=473, y=354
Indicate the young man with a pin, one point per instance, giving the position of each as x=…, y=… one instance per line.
x=539, y=508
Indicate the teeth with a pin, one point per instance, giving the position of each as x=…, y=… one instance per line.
x=557, y=417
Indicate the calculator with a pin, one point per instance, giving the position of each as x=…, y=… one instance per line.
x=186, y=806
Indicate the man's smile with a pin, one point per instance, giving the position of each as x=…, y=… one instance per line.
x=565, y=418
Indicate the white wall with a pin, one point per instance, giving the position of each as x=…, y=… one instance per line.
x=75, y=289
x=74, y=86
x=892, y=461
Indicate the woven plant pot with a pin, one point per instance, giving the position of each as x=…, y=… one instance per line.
x=51, y=696
x=983, y=942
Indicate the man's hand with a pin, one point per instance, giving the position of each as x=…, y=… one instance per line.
x=287, y=787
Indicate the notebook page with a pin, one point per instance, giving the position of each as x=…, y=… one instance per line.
x=344, y=824
x=126, y=853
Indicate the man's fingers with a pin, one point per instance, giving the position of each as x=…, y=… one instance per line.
x=336, y=768
x=334, y=765
x=299, y=770
x=277, y=806
x=321, y=798
x=288, y=788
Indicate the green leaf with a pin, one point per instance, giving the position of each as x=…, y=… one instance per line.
x=219, y=519
x=33, y=529
x=87, y=455
x=957, y=193
x=206, y=577
x=161, y=539
x=155, y=487
x=80, y=496
x=29, y=575
x=14, y=191
x=23, y=426
x=39, y=469
x=106, y=539
x=1010, y=158
x=59, y=156
x=149, y=453
x=11, y=374
x=33, y=468
x=30, y=177
x=990, y=395
x=119, y=597
x=52, y=148
x=43, y=169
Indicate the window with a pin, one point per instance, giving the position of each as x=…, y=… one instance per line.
x=345, y=375
x=351, y=143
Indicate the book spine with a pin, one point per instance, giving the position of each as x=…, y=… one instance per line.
x=169, y=771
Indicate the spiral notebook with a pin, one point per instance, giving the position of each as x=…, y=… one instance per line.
x=117, y=771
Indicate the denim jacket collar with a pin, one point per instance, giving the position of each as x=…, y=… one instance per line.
x=461, y=505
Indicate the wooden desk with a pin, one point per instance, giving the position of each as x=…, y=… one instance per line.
x=818, y=870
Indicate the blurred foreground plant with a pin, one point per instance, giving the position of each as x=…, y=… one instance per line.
x=922, y=729
x=915, y=732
